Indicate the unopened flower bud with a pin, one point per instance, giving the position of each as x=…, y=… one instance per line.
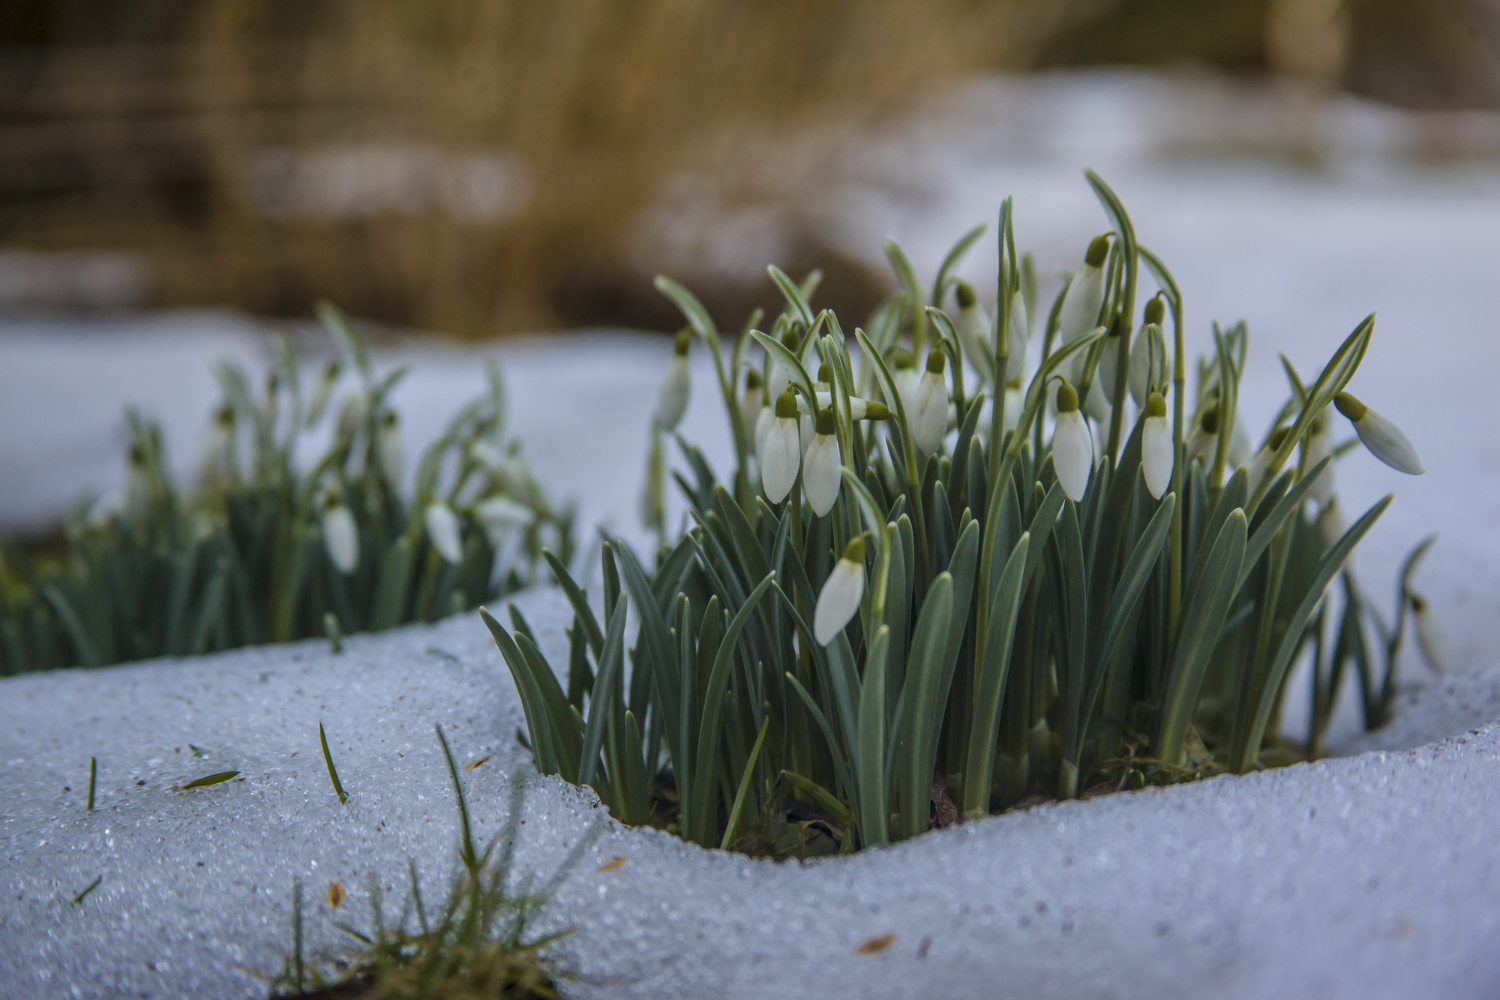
x=442, y=530
x=821, y=471
x=1156, y=446
x=389, y=448
x=1431, y=639
x=929, y=421
x=780, y=453
x=340, y=535
x=1085, y=295
x=672, y=400
x=752, y=401
x=322, y=392
x=1072, y=444
x=1383, y=439
x=838, y=602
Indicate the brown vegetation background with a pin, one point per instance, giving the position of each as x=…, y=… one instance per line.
x=499, y=151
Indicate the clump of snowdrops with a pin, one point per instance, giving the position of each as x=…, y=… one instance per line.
x=275, y=542
x=984, y=561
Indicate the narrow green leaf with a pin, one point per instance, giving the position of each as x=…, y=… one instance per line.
x=211, y=779
x=333, y=773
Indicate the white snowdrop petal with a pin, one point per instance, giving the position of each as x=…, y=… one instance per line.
x=1072, y=454
x=391, y=453
x=1097, y=405
x=763, y=421
x=1319, y=445
x=1080, y=308
x=781, y=453
x=499, y=513
x=839, y=601
x=1331, y=524
x=1140, y=365
x=1016, y=338
x=780, y=379
x=930, y=421
x=1239, y=443
x=341, y=538
x=973, y=329
x=1388, y=443
x=821, y=473
x=442, y=530
x=671, y=402
x=1156, y=455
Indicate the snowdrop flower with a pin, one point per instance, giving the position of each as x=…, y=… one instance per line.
x=1319, y=447
x=929, y=416
x=389, y=450
x=752, y=402
x=1383, y=438
x=340, y=535
x=780, y=377
x=321, y=393
x=218, y=466
x=821, y=471
x=1072, y=444
x=1431, y=639
x=839, y=600
x=1142, y=378
x=859, y=409
x=1239, y=443
x=905, y=377
x=442, y=530
x=1262, y=463
x=1156, y=446
x=973, y=328
x=498, y=514
x=780, y=452
x=1084, y=297
x=763, y=421
x=1205, y=436
x=1097, y=405
x=1331, y=524
x=354, y=413
x=136, y=504
x=672, y=401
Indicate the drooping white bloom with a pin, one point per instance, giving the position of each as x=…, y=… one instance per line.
x=498, y=514
x=973, y=328
x=1156, y=446
x=752, y=402
x=781, y=377
x=1142, y=375
x=321, y=393
x=354, y=413
x=672, y=400
x=1072, y=444
x=763, y=421
x=1239, y=443
x=389, y=448
x=340, y=535
x=136, y=504
x=442, y=530
x=1431, y=639
x=822, y=473
x=859, y=409
x=1319, y=447
x=1383, y=439
x=1017, y=337
x=905, y=377
x=1080, y=308
x=218, y=466
x=1331, y=524
x=929, y=413
x=781, y=451
x=839, y=600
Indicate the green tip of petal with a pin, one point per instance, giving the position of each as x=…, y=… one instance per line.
x=825, y=375
x=1350, y=407
x=965, y=295
x=752, y=379
x=684, y=339
x=786, y=405
x=855, y=550
x=1098, y=250
x=1067, y=397
x=1209, y=420
x=1156, y=406
x=936, y=361
x=1156, y=310
x=825, y=420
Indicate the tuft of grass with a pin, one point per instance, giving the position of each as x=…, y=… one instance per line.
x=474, y=947
x=333, y=773
x=93, y=775
x=1022, y=615
x=271, y=544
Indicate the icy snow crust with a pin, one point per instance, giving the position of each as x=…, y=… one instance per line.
x=1364, y=877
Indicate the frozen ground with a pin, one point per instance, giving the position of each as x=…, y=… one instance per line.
x=1368, y=876
x=1365, y=877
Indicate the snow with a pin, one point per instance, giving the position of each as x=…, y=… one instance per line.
x=1367, y=876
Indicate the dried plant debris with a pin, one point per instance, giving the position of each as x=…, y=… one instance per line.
x=986, y=560
x=270, y=546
